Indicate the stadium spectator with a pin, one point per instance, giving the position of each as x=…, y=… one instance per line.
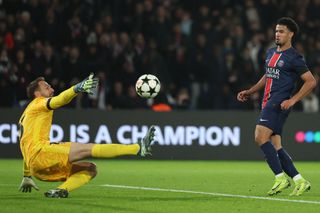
x=68, y=39
x=161, y=104
x=310, y=103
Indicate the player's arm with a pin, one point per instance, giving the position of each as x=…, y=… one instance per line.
x=87, y=85
x=27, y=183
x=26, y=170
x=244, y=95
x=308, y=85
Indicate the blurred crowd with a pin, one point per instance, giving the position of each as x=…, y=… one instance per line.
x=202, y=51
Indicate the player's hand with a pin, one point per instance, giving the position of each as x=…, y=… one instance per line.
x=285, y=105
x=243, y=96
x=27, y=184
x=87, y=85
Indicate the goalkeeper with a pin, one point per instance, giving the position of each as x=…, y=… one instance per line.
x=61, y=161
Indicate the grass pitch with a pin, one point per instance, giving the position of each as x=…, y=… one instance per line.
x=165, y=186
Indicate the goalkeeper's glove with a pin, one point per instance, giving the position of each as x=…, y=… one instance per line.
x=27, y=184
x=87, y=85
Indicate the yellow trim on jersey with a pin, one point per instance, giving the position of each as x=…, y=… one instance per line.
x=62, y=99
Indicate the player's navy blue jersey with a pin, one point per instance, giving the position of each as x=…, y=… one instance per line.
x=282, y=70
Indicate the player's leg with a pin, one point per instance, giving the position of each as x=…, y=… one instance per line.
x=285, y=159
x=262, y=138
x=81, y=151
x=76, y=174
x=52, y=164
x=80, y=174
x=301, y=184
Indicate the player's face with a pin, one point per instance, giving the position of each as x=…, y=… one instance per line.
x=45, y=89
x=283, y=35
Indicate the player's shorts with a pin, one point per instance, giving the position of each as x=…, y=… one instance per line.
x=274, y=118
x=51, y=163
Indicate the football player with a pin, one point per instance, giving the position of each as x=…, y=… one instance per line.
x=61, y=161
x=283, y=67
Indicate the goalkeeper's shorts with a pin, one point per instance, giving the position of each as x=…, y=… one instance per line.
x=51, y=163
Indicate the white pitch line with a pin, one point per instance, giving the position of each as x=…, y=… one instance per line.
x=211, y=193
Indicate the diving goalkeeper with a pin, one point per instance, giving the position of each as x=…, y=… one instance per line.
x=60, y=161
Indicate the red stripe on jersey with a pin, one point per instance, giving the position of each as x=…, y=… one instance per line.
x=274, y=59
x=267, y=91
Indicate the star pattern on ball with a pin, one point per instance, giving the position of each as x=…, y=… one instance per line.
x=152, y=91
x=147, y=86
x=139, y=91
x=145, y=79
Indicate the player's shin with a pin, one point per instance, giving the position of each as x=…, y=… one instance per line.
x=271, y=157
x=287, y=163
x=281, y=182
x=113, y=150
x=76, y=180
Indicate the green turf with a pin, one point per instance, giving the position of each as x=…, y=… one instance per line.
x=235, y=178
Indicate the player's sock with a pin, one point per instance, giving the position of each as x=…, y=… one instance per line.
x=271, y=157
x=297, y=177
x=75, y=181
x=113, y=150
x=287, y=163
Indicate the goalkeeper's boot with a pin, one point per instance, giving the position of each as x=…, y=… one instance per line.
x=145, y=143
x=280, y=184
x=57, y=193
x=301, y=186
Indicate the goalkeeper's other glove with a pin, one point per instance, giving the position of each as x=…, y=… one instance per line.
x=27, y=184
x=87, y=85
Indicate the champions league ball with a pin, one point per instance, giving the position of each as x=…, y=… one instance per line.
x=148, y=86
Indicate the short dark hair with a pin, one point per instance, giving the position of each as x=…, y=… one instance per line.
x=290, y=24
x=33, y=86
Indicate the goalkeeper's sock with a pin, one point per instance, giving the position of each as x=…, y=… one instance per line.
x=114, y=150
x=287, y=163
x=75, y=181
x=271, y=157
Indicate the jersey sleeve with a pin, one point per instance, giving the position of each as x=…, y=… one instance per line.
x=299, y=65
x=26, y=170
x=46, y=104
x=62, y=99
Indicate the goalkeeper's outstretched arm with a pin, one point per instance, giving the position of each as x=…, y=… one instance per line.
x=87, y=85
x=62, y=99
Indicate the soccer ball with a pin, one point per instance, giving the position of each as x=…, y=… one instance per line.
x=148, y=86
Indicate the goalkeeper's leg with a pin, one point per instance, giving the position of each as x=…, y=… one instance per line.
x=80, y=151
x=81, y=173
